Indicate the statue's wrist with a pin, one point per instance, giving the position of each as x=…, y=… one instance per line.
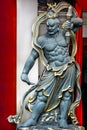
x=71, y=25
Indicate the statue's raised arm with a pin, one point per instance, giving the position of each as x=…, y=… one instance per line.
x=77, y=23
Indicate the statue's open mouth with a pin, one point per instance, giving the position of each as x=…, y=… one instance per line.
x=50, y=31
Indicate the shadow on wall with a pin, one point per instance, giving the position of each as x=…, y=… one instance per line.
x=44, y=2
x=84, y=89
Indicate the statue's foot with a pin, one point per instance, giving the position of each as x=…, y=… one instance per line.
x=62, y=123
x=28, y=123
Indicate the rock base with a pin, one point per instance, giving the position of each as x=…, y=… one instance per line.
x=49, y=127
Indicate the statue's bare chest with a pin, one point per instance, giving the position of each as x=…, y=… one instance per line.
x=52, y=43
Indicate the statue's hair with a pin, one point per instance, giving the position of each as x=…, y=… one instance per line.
x=55, y=20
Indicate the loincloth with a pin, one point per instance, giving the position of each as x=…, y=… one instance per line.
x=53, y=84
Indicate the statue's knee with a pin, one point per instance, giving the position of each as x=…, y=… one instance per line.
x=34, y=95
x=42, y=104
x=67, y=96
x=41, y=97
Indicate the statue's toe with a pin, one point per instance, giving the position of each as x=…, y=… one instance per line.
x=19, y=125
x=28, y=123
x=62, y=123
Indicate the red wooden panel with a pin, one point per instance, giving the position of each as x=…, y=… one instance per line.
x=82, y=4
x=79, y=58
x=7, y=62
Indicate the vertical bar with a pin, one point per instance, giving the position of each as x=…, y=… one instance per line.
x=7, y=62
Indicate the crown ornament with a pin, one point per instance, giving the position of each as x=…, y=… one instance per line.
x=51, y=12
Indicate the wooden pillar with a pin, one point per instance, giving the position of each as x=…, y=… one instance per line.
x=7, y=62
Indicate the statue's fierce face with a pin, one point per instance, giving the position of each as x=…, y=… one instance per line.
x=52, y=26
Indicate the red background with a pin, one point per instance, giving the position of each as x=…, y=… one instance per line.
x=82, y=4
x=7, y=62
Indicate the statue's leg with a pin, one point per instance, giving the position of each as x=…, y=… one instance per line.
x=63, y=110
x=37, y=111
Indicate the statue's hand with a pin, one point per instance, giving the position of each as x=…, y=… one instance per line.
x=68, y=25
x=24, y=77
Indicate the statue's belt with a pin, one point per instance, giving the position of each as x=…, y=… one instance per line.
x=59, y=71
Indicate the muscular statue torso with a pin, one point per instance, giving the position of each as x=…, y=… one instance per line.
x=55, y=48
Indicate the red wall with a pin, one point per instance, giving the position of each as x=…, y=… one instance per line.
x=7, y=62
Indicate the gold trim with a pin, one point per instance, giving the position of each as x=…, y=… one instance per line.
x=50, y=109
x=29, y=107
x=74, y=43
x=32, y=99
x=68, y=89
x=45, y=94
x=80, y=128
x=63, y=67
x=39, y=84
x=77, y=101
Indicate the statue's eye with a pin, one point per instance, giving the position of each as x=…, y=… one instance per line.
x=47, y=25
x=52, y=25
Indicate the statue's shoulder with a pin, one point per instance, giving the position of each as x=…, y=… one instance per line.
x=41, y=40
x=77, y=21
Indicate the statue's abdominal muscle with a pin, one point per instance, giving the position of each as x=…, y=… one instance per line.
x=55, y=53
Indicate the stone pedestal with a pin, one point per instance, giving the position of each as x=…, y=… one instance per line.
x=49, y=127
